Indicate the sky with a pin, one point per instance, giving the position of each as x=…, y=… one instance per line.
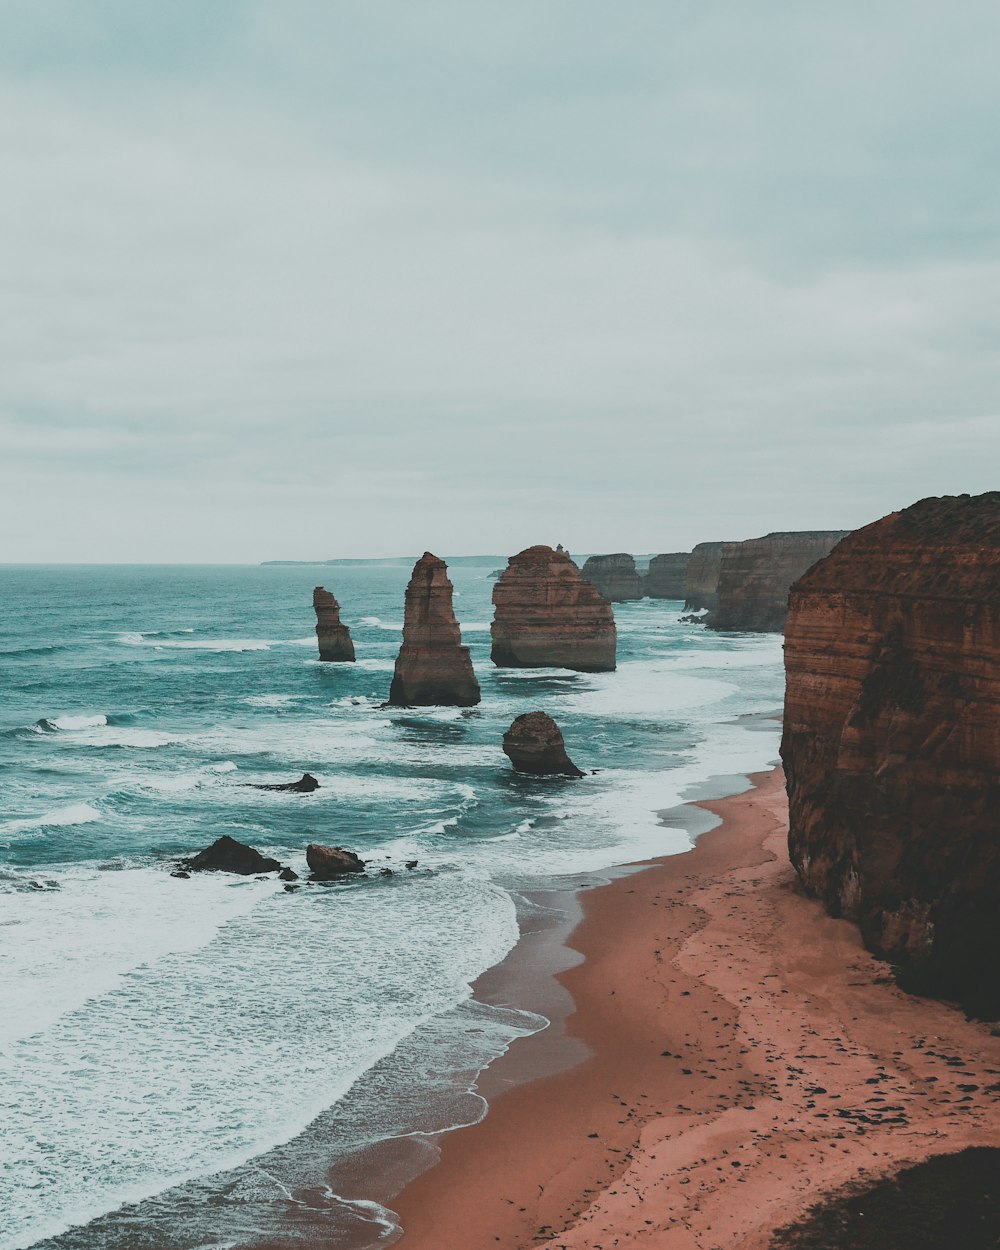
x=315, y=278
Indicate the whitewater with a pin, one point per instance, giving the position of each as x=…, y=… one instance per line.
x=181, y=1061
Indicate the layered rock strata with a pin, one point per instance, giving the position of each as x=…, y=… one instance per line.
x=432, y=668
x=547, y=615
x=335, y=644
x=667, y=575
x=615, y=576
x=702, y=578
x=534, y=744
x=891, y=742
x=755, y=577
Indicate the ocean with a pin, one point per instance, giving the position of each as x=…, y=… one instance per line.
x=181, y=1061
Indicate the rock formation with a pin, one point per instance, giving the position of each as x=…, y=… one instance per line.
x=228, y=855
x=327, y=862
x=667, y=575
x=549, y=616
x=335, y=642
x=892, y=741
x=756, y=575
x=306, y=784
x=702, y=579
x=433, y=668
x=534, y=744
x=614, y=576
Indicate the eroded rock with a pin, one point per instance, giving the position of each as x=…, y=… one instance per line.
x=335, y=643
x=534, y=744
x=327, y=862
x=433, y=668
x=227, y=855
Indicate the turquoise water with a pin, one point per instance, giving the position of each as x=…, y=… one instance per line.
x=211, y=1044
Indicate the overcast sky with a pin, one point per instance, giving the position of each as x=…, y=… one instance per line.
x=315, y=278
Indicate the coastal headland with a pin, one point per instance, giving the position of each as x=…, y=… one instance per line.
x=747, y=1059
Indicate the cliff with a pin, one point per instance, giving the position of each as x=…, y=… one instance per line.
x=892, y=741
x=614, y=576
x=334, y=638
x=755, y=577
x=667, y=576
x=432, y=666
x=534, y=744
x=547, y=615
x=702, y=577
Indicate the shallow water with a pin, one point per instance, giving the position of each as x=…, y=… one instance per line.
x=169, y=1042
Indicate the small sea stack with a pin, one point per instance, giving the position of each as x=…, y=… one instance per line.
x=433, y=668
x=547, y=615
x=615, y=576
x=891, y=741
x=534, y=744
x=335, y=643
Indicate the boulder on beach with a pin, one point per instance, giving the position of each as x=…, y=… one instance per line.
x=227, y=855
x=534, y=744
x=306, y=784
x=327, y=862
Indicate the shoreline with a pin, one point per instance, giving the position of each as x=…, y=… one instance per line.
x=721, y=1056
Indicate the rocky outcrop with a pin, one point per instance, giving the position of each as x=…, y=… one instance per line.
x=227, y=855
x=534, y=744
x=335, y=643
x=892, y=741
x=702, y=579
x=433, y=668
x=667, y=575
x=327, y=862
x=755, y=577
x=547, y=615
x=615, y=576
x=306, y=784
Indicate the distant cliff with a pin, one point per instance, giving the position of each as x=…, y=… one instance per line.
x=667, y=575
x=702, y=579
x=615, y=576
x=756, y=575
x=892, y=741
x=547, y=615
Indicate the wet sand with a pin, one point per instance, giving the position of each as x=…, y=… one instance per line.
x=746, y=1057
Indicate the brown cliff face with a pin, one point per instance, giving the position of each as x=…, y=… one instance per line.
x=549, y=616
x=892, y=741
x=702, y=579
x=335, y=643
x=667, y=575
x=432, y=668
x=534, y=744
x=614, y=576
x=755, y=577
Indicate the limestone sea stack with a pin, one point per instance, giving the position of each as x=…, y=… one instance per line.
x=534, y=744
x=667, y=575
x=547, y=615
x=755, y=577
x=702, y=579
x=891, y=741
x=615, y=576
x=432, y=668
x=335, y=644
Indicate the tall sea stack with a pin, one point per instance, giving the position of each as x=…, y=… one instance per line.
x=755, y=577
x=335, y=643
x=432, y=668
x=667, y=575
x=892, y=741
x=549, y=616
x=615, y=576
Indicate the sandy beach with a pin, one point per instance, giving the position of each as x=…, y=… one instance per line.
x=745, y=1057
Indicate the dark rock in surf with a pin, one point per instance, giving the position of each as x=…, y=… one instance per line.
x=306, y=784
x=328, y=862
x=228, y=855
x=534, y=744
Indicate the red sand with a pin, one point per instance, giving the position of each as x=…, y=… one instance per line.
x=747, y=1056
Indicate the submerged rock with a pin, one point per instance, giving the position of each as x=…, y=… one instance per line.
x=615, y=576
x=306, y=784
x=326, y=862
x=547, y=615
x=534, y=744
x=891, y=741
x=227, y=855
x=432, y=668
x=335, y=643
